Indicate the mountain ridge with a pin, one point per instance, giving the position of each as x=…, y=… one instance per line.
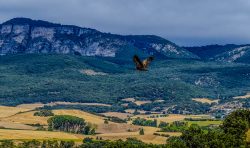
x=24, y=35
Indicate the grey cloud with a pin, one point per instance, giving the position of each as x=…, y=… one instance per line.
x=186, y=22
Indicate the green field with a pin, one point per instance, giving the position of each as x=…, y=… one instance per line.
x=248, y=135
x=204, y=123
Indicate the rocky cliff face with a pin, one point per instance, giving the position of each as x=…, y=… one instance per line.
x=21, y=35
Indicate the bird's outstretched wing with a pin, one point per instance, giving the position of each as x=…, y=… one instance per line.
x=147, y=61
x=138, y=63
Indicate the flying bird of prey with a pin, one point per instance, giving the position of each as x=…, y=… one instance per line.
x=142, y=65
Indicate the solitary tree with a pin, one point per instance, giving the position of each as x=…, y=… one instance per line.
x=141, y=132
x=106, y=121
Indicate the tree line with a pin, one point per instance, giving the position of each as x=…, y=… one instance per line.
x=176, y=126
x=145, y=122
x=70, y=124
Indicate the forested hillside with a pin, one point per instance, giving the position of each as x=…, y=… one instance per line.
x=47, y=78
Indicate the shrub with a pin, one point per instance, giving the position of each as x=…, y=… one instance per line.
x=44, y=113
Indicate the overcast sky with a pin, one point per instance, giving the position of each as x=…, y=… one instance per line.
x=185, y=22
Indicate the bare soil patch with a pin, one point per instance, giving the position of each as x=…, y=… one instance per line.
x=205, y=100
x=243, y=97
x=91, y=72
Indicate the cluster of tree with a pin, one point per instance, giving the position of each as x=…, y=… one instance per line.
x=71, y=124
x=189, y=108
x=87, y=108
x=157, y=116
x=245, y=103
x=161, y=134
x=129, y=143
x=163, y=124
x=148, y=106
x=199, y=119
x=87, y=143
x=176, y=126
x=232, y=133
x=44, y=113
x=144, y=122
x=38, y=126
x=116, y=119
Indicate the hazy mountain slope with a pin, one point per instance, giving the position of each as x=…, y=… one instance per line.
x=209, y=51
x=22, y=35
x=240, y=54
x=223, y=53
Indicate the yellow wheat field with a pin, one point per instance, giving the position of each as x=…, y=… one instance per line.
x=30, y=106
x=145, y=138
x=11, y=125
x=112, y=131
x=205, y=100
x=29, y=134
x=243, y=97
x=142, y=102
x=42, y=135
x=94, y=119
x=6, y=111
x=26, y=118
x=29, y=118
